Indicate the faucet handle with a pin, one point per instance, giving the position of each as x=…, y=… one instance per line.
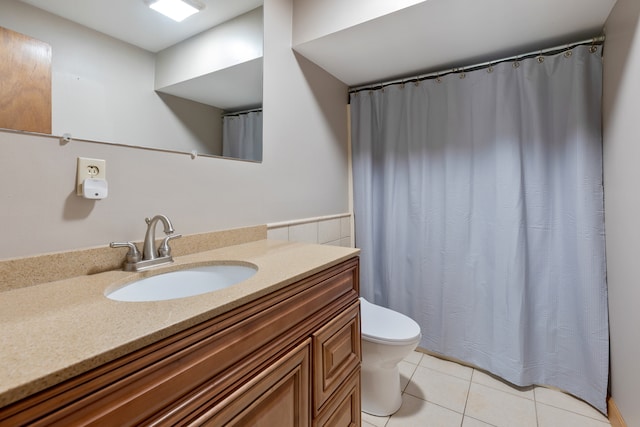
x=133, y=255
x=164, y=249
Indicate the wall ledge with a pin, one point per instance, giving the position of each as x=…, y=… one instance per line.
x=306, y=220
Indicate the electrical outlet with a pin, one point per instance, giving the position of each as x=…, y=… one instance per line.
x=89, y=168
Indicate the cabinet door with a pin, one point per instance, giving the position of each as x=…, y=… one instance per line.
x=278, y=396
x=342, y=409
x=336, y=354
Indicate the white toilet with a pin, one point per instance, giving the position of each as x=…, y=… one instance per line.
x=387, y=338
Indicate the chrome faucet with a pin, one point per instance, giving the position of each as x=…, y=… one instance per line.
x=148, y=250
x=150, y=256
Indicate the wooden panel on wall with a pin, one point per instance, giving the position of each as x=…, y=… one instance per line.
x=25, y=83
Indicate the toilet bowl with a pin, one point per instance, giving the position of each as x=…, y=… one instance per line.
x=387, y=338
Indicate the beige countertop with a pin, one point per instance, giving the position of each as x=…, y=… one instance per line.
x=53, y=331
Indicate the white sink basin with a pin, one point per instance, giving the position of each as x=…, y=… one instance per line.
x=183, y=283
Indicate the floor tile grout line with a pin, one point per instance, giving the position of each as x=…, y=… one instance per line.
x=564, y=408
x=413, y=372
x=561, y=408
x=446, y=373
x=535, y=407
x=466, y=400
x=435, y=404
x=505, y=383
x=501, y=390
x=477, y=419
x=572, y=412
x=402, y=391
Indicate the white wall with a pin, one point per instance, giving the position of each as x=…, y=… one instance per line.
x=303, y=174
x=621, y=114
x=314, y=19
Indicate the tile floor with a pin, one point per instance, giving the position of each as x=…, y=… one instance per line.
x=440, y=393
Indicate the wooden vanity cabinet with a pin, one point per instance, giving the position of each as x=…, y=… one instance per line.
x=289, y=358
x=279, y=396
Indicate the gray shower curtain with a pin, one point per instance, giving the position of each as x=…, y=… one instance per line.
x=478, y=204
x=242, y=136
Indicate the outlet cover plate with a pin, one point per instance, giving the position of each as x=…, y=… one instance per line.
x=89, y=168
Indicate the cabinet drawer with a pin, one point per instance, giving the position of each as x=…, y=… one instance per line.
x=343, y=409
x=336, y=353
x=279, y=396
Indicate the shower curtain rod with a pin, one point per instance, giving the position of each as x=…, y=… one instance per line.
x=238, y=113
x=420, y=77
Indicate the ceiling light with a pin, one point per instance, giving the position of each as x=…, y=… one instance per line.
x=174, y=9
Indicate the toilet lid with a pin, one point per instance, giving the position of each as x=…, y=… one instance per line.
x=379, y=324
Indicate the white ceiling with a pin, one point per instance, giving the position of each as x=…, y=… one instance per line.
x=440, y=34
x=432, y=35
x=134, y=22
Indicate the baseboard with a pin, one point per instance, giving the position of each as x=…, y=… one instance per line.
x=615, y=417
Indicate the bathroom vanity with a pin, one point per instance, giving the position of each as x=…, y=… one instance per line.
x=286, y=352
